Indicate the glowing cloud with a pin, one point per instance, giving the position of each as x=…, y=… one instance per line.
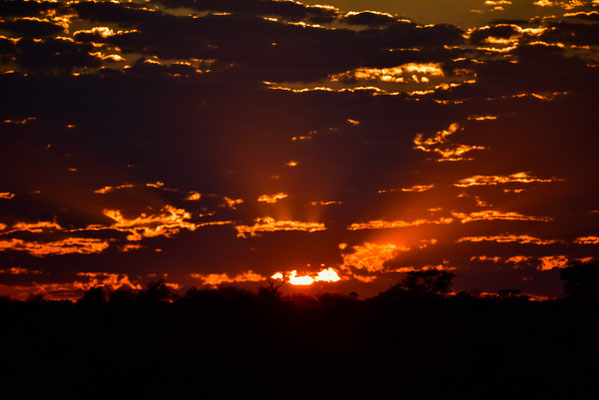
x=6, y=195
x=19, y=271
x=523, y=239
x=370, y=257
x=170, y=222
x=380, y=224
x=232, y=203
x=272, y=198
x=193, y=196
x=328, y=275
x=36, y=227
x=587, y=240
x=491, y=180
x=110, y=189
x=325, y=203
x=113, y=281
x=269, y=224
x=550, y=262
x=439, y=143
x=491, y=215
x=219, y=279
x=400, y=74
x=418, y=188
x=59, y=247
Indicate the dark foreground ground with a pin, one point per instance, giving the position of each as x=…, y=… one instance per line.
x=236, y=344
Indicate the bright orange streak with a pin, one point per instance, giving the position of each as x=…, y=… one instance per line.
x=325, y=275
x=300, y=280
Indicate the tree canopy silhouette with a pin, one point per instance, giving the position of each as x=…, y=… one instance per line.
x=423, y=284
x=581, y=280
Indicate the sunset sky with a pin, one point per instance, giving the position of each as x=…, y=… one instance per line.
x=225, y=142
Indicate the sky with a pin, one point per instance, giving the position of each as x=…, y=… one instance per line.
x=331, y=147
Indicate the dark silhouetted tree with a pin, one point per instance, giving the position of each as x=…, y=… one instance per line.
x=423, y=284
x=157, y=292
x=581, y=280
x=121, y=297
x=272, y=288
x=94, y=297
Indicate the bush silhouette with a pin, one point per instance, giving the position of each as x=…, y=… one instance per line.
x=423, y=284
x=581, y=280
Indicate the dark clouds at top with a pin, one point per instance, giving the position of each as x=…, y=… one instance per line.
x=226, y=141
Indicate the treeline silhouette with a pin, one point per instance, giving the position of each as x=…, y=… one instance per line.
x=415, y=340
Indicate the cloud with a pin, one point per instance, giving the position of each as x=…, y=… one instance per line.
x=370, y=257
x=289, y=10
x=506, y=238
x=273, y=198
x=72, y=245
x=587, y=240
x=381, y=224
x=269, y=224
x=490, y=180
x=6, y=195
x=368, y=18
x=492, y=215
x=167, y=224
x=550, y=262
x=219, y=279
x=31, y=27
x=19, y=271
x=328, y=275
x=440, y=144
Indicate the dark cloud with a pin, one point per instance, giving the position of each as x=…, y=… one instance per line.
x=572, y=33
x=497, y=31
x=25, y=8
x=54, y=55
x=31, y=28
x=367, y=18
x=289, y=10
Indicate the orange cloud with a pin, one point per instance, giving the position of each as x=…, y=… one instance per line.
x=380, y=224
x=418, y=188
x=482, y=117
x=218, y=279
x=524, y=239
x=587, y=240
x=155, y=185
x=19, y=121
x=169, y=223
x=19, y=271
x=269, y=224
x=113, y=281
x=370, y=257
x=65, y=246
x=550, y=262
x=273, y=198
x=36, y=227
x=6, y=195
x=110, y=189
x=439, y=143
x=232, y=203
x=400, y=74
x=325, y=275
x=72, y=290
x=489, y=180
x=193, y=196
x=491, y=215
x=325, y=203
